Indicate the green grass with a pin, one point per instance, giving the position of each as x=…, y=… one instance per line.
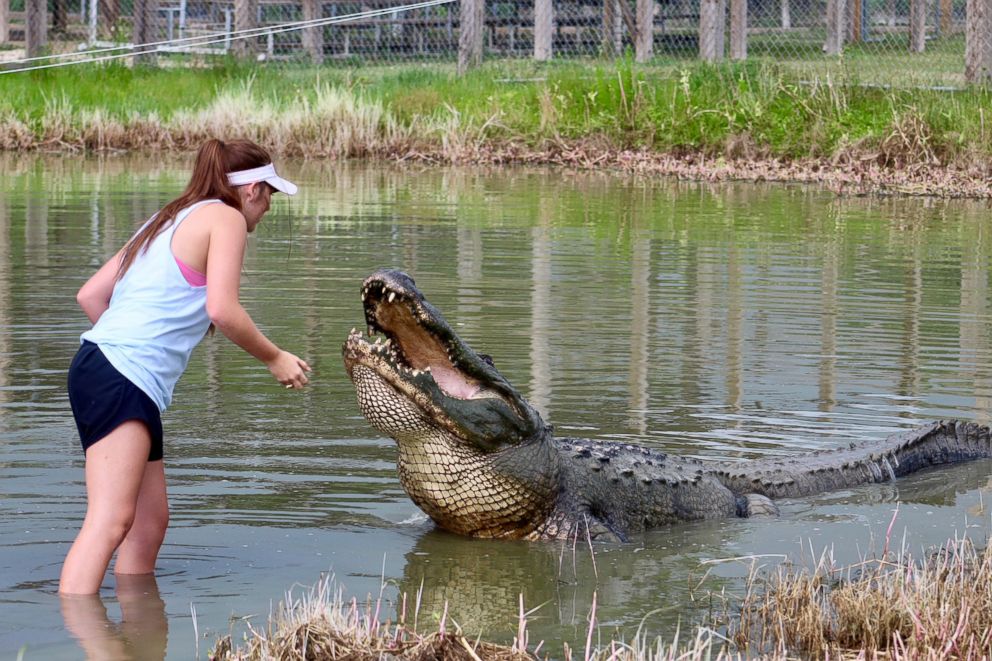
x=754, y=109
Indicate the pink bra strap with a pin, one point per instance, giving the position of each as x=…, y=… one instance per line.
x=193, y=277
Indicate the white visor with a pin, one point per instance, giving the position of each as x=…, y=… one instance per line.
x=266, y=173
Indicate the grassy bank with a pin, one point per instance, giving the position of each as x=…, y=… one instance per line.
x=896, y=606
x=741, y=121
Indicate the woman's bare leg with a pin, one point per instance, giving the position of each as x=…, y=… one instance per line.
x=115, y=467
x=139, y=550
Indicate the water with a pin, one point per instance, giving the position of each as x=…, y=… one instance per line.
x=713, y=321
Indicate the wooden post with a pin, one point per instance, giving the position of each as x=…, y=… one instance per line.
x=611, y=19
x=644, y=45
x=786, y=16
x=918, y=26
x=4, y=21
x=977, y=45
x=544, y=26
x=946, y=15
x=109, y=12
x=143, y=28
x=738, y=29
x=836, y=15
x=245, y=18
x=36, y=30
x=471, y=34
x=313, y=37
x=855, y=9
x=710, y=24
x=60, y=16
x=721, y=29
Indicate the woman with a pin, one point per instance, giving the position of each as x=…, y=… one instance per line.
x=150, y=305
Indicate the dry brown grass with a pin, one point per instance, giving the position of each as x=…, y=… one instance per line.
x=894, y=607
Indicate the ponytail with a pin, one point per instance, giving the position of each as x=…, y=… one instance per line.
x=208, y=181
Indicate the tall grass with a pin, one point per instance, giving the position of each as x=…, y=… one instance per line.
x=575, y=113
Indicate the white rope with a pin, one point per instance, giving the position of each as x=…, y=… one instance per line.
x=217, y=37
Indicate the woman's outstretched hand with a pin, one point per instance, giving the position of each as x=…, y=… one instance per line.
x=289, y=370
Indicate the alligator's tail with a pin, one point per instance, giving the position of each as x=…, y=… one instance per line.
x=943, y=442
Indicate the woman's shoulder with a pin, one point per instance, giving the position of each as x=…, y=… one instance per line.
x=217, y=211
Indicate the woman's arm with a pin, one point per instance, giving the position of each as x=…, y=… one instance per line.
x=225, y=257
x=94, y=296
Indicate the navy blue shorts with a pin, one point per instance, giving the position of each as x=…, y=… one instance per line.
x=102, y=399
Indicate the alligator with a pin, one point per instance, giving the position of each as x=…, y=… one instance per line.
x=479, y=460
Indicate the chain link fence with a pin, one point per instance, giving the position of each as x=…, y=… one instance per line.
x=884, y=42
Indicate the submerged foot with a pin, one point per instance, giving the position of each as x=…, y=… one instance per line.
x=754, y=504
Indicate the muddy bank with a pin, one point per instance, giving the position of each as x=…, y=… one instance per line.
x=863, y=173
x=852, y=174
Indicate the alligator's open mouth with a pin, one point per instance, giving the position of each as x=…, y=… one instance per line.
x=408, y=341
x=412, y=351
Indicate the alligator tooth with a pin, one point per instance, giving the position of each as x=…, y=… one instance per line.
x=370, y=330
x=392, y=296
x=388, y=341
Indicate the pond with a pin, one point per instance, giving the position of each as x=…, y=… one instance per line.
x=710, y=320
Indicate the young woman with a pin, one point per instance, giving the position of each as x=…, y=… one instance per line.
x=150, y=305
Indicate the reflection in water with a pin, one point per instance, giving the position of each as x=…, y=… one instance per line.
x=828, y=327
x=541, y=312
x=142, y=633
x=640, y=329
x=5, y=259
x=717, y=321
x=976, y=335
x=734, y=328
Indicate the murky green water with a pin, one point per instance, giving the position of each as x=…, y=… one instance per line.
x=714, y=321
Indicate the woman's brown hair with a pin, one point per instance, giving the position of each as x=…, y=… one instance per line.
x=209, y=181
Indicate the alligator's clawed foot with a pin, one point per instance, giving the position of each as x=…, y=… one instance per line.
x=754, y=504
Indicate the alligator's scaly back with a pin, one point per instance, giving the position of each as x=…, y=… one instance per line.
x=479, y=460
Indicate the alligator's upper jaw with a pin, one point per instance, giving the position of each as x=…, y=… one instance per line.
x=417, y=340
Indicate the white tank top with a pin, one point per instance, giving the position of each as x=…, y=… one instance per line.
x=155, y=319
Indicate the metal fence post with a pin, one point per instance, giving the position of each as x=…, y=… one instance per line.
x=977, y=44
x=544, y=27
x=917, y=25
x=313, y=37
x=91, y=20
x=245, y=18
x=4, y=21
x=36, y=30
x=710, y=27
x=644, y=47
x=786, y=16
x=738, y=29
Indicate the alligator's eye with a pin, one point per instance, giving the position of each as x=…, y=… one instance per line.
x=487, y=359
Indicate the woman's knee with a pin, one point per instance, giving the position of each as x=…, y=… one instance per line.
x=150, y=528
x=114, y=526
